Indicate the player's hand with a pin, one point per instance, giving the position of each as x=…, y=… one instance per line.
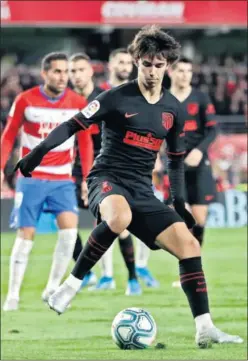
x=180, y=208
x=193, y=158
x=84, y=193
x=29, y=163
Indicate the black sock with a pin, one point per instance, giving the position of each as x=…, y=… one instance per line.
x=198, y=232
x=194, y=285
x=78, y=247
x=100, y=239
x=127, y=250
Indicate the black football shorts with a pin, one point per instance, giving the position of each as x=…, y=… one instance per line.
x=200, y=185
x=150, y=216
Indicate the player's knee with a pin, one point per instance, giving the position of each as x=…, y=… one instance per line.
x=26, y=233
x=120, y=221
x=191, y=246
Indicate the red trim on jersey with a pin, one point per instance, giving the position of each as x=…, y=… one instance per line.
x=211, y=123
x=190, y=125
x=80, y=123
x=180, y=153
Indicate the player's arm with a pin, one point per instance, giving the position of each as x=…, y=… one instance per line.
x=86, y=151
x=210, y=124
x=14, y=123
x=175, y=153
x=94, y=112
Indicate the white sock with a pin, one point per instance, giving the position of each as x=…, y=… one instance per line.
x=106, y=262
x=142, y=254
x=18, y=264
x=74, y=282
x=203, y=321
x=62, y=256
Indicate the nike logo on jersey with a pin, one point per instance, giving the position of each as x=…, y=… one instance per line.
x=200, y=283
x=130, y=115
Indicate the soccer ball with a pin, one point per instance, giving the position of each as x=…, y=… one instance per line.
x=133, y=328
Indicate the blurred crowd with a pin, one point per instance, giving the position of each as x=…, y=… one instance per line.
x=224, y=79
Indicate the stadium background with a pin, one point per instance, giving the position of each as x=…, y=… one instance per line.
x=212, y=33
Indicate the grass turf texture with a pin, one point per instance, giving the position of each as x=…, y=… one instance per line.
x=83, y=332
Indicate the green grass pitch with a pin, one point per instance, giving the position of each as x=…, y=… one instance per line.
x=83, y=332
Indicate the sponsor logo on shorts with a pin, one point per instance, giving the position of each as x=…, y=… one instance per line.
x=167, y=120
x=106, y=187
x=91, y=109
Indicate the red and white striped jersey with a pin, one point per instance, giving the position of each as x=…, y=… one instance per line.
x=37, y=115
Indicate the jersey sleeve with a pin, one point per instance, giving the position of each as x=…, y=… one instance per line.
x=175, y=136
x=86, y=151
x=175, y=152
x=96, y=111
x=208, y=116
x=14, y=123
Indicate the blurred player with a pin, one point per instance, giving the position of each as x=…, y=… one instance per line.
x=120, y=68
x=81, y=73
x=38, y=111
x=137, y=117
x=200, y=132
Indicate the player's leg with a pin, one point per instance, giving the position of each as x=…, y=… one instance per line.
x=108, y=200
x=62, y=202
x=143, y=255
x=143, y=272
x=90, y=278
x=205, y=193
x=199, y=212
x=27, y=208
x=163, y=225
x=106, y=281
x=180, y=242
x=127, y=251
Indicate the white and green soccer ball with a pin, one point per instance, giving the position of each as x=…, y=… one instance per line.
x=133, y=328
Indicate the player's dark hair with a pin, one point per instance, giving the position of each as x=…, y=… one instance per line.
x=80, y=56
x=153, y=41
x=46, y=61
x=182, y=59
x=117, y=51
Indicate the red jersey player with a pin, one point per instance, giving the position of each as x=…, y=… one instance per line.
x=37, y=112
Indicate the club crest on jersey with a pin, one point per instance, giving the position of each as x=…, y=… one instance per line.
x=106, y=187
x=193, y=108
x=167, y=120
x=91, y=109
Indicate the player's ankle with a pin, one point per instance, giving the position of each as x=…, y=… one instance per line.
x=203, y=321
x=73, y=282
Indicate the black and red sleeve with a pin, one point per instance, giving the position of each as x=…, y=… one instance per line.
x=176, y=152
x=208, y=117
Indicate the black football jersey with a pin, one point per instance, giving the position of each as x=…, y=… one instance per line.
x=199, y=118
x=133, y=130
